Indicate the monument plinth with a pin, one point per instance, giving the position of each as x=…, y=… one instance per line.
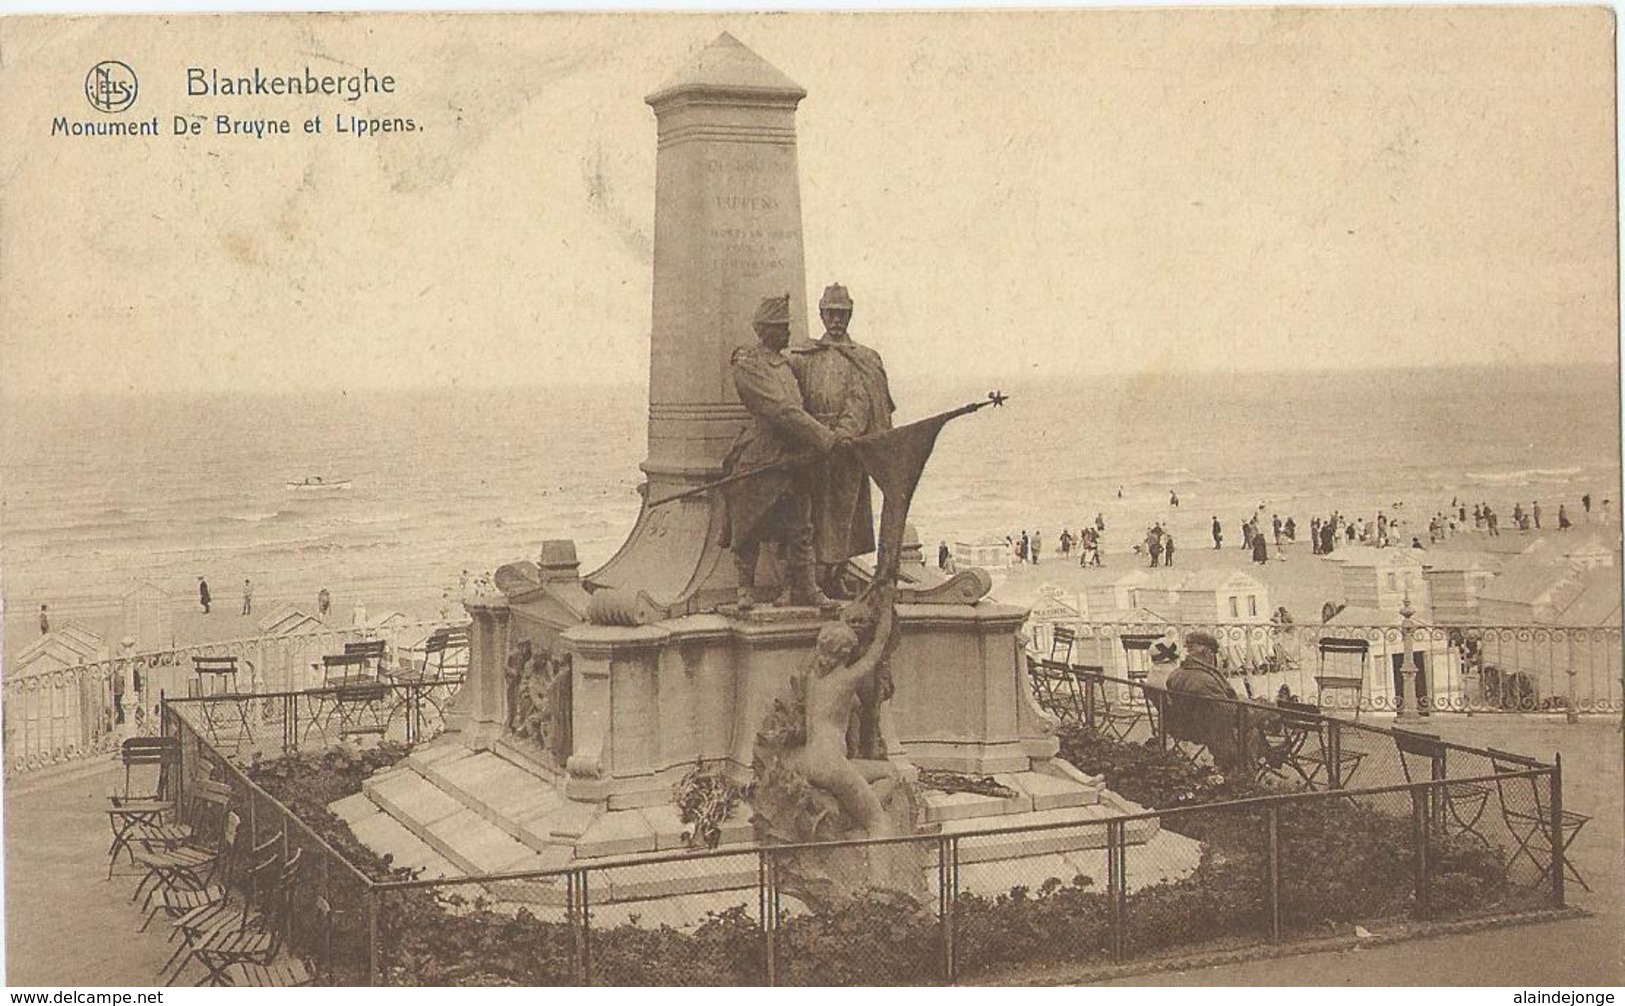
x=727, y=234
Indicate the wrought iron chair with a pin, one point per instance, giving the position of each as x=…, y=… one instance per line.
x=1528, y=815
x=1457, y=806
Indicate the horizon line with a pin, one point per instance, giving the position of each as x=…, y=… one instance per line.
x=1034, y=371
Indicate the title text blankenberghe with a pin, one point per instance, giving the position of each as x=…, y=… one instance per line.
x=209, y=82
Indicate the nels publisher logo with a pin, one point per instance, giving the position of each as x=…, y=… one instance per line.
x=110, y=86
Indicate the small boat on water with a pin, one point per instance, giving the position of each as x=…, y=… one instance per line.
x=315, y=483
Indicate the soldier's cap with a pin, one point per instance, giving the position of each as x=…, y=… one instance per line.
x=835, y=296
x=1201, y=639
x=773, y=311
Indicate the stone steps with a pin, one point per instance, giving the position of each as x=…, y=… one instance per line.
x=451, y=811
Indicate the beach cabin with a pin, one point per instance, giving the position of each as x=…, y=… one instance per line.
x=1209, y=596
x=1550, y=636
x=1365, y=644
x=1124, y=646
x=1591, y=550
x=1380, y=579
x=988, y=553
x=49, y=714
x=1052, y=607
x=1454, y=582
x=298, y=641
x=1529, y=593
x=145, y=617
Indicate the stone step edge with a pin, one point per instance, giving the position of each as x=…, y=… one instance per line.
x=421, y=831
x=508, y=826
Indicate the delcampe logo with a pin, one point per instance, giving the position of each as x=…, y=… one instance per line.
x=110, y=86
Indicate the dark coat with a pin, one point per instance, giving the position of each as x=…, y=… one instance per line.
x=778, y=429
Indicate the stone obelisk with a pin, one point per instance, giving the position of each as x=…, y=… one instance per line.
x=727, y=234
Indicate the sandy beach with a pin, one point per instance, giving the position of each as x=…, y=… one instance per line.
x=1297, y=579
x=189, y=625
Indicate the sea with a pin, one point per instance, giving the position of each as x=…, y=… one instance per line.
x=101, y=493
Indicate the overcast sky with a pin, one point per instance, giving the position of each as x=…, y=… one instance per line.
x=1220, y=190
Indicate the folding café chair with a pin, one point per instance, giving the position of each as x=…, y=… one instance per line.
x=1528, y=816
x=1169, y=716
x=375, y=650
x=258, y=939
x=130, y=811
x=207, y=916
x=1307, y=750
x=175, y=861
x=1457, y=806
x=217, y=676
x=1056, y=690
x=1109, y=717
x=285, y=970
x=175, y=902
x=360, y=709
x=1061, y=641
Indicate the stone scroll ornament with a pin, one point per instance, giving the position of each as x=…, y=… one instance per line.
x=819, y=776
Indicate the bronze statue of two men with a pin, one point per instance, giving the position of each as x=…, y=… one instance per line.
x=813, y=402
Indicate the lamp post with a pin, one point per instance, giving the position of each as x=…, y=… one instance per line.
x=1404, y=710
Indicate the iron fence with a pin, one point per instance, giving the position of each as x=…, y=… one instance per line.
x=1097, y=889
x=1357, y=667
x=77, y=712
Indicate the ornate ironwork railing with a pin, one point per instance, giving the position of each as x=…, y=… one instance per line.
x=1348, y=667
x=77, y=712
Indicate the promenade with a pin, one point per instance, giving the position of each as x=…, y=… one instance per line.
x=68, y=925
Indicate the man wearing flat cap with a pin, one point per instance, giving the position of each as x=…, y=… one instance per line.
x=846, y=390
x=775, y=506
x=1197, y=709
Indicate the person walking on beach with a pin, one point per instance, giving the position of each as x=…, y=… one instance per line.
x=44, y=622
x=1153, y=545
x=248, y=596
x=1037, y=543
x=1275, y=526
x=1218, y=534
x=1024, y=547
x=1173, y=498
x=1562, y=518
x=942, y=554
x=1167, y=550
x=203, y=594
x=1534, y=511
x=1261, y=553
x=324, y=601
x=1585, y=501
x=1100, y=521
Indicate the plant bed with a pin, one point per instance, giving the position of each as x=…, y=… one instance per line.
x=1341, y=864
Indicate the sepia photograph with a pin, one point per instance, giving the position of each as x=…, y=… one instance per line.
x=982, y=497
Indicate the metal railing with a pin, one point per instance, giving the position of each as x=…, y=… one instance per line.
x=1100, y=890
x=1458, y=668
x=82, y=711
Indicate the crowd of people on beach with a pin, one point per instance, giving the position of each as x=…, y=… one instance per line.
x=1389, y=528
